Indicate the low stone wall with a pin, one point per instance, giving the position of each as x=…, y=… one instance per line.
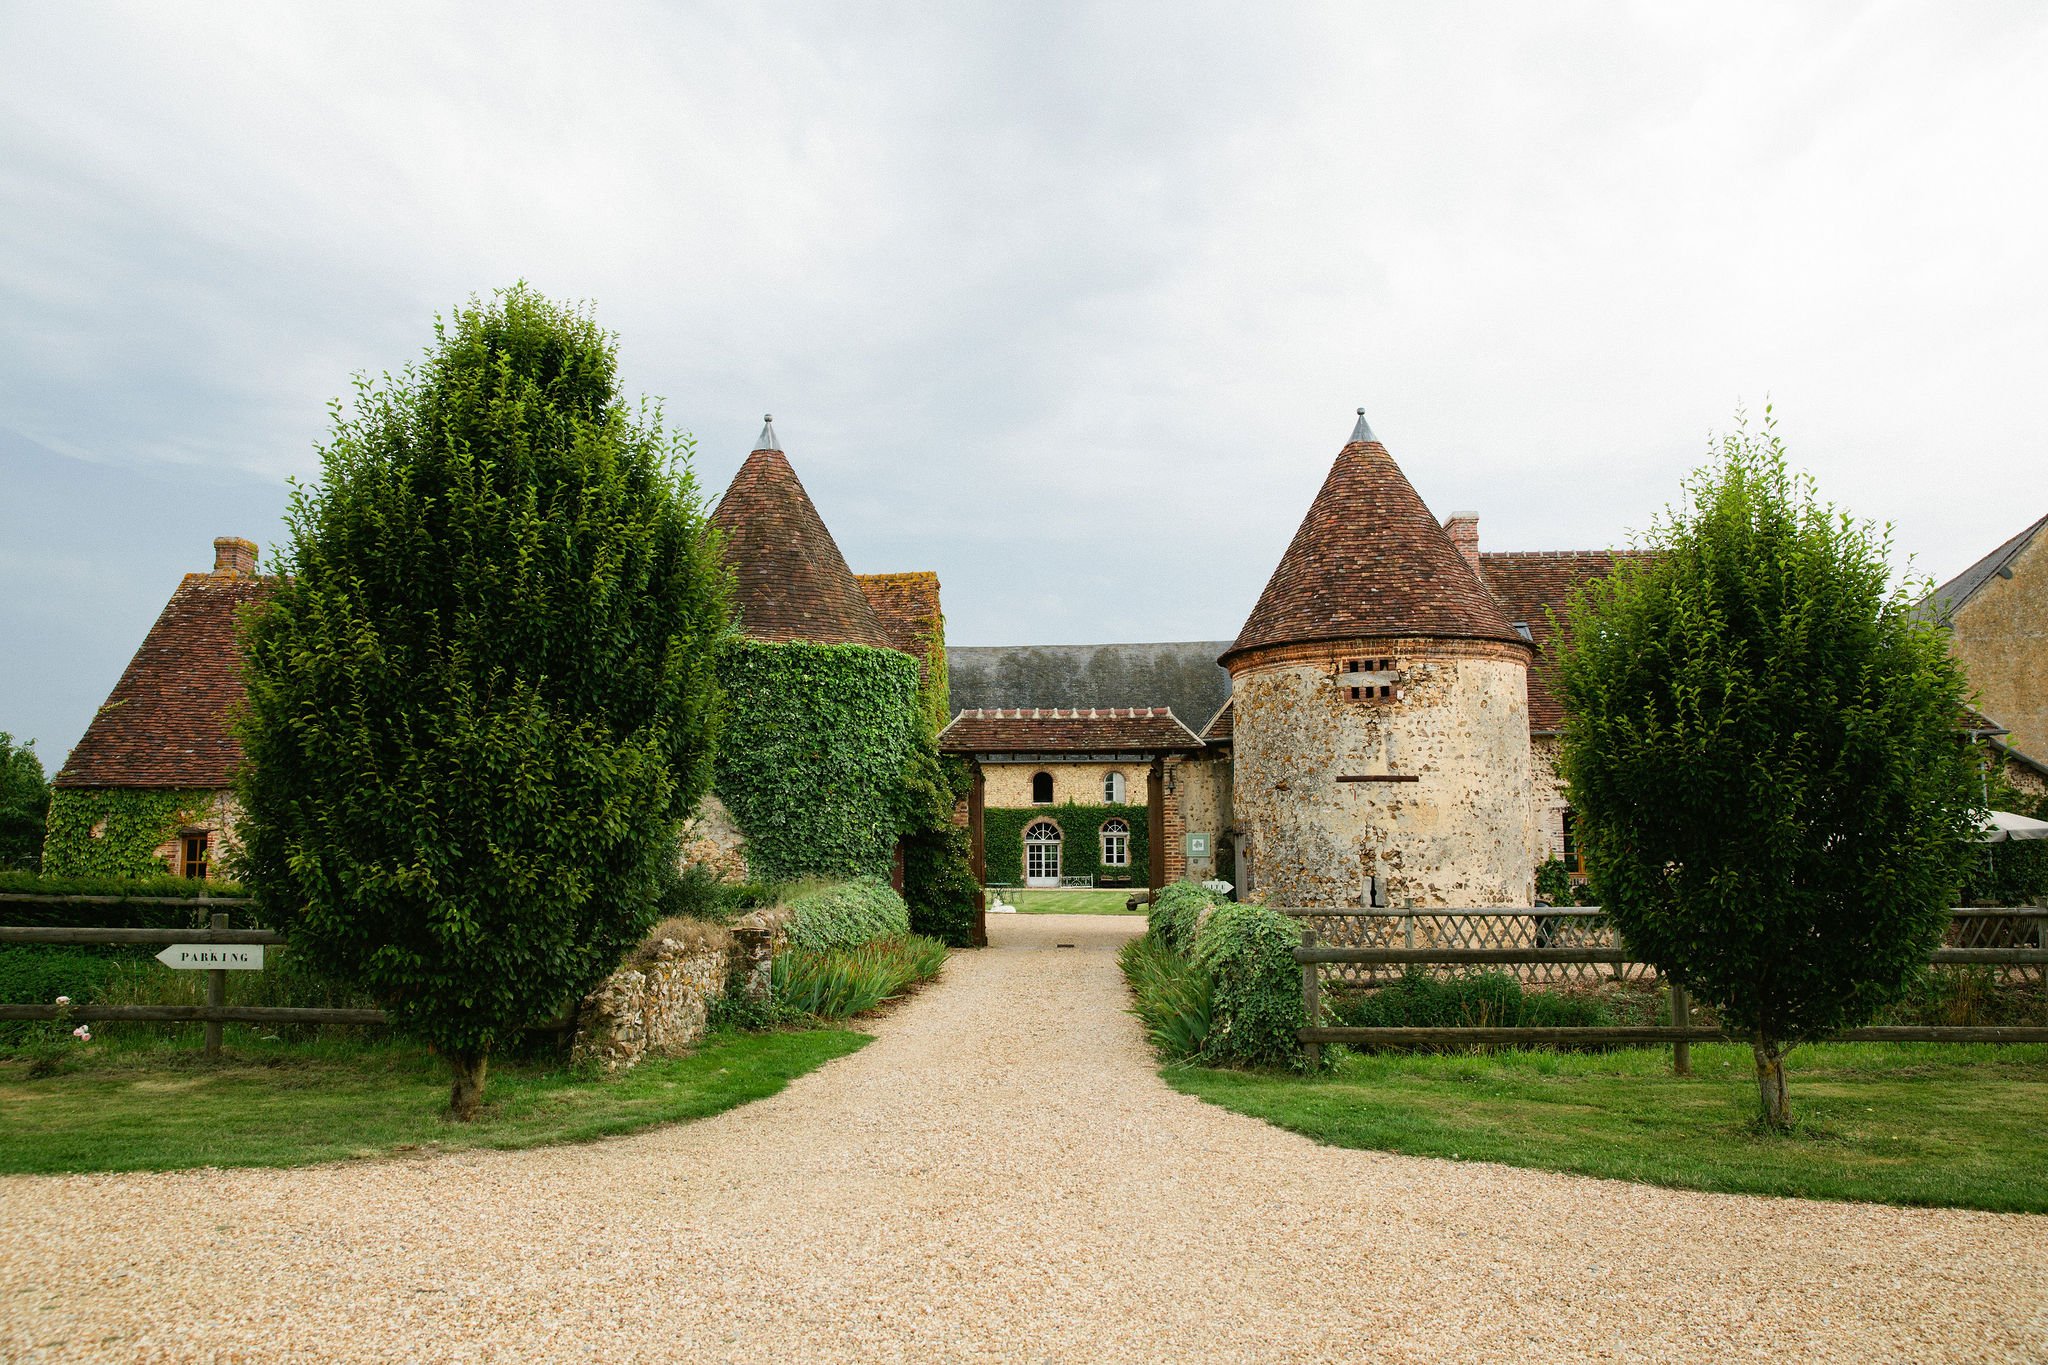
x=659, y=1005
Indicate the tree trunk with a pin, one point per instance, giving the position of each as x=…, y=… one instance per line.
x=468, y=1094
x=1770, y=1082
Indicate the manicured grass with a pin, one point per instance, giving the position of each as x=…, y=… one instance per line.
x=164, y=1106
x=1899, y=1124
x=1099, y=902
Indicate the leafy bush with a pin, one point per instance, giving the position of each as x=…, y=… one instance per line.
x=36, y=974
x=838, y=982
x=1175, y=998
x=846, y=915
x=938, y=882
x=1554, y=882
x=1969, y=997
x=1248, y=951
x=813, y=761
x=1482, y=1000
x=1177, y=911
x=2014, y=872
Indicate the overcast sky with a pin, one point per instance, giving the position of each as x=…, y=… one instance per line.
x=1071, y=303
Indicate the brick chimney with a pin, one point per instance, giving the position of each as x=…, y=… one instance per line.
x=1463, y=529
x=234, y=557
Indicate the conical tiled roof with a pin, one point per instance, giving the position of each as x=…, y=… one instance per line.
x=1370, y=560
x=789, y=580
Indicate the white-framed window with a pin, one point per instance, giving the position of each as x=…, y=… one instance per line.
x=1042, y=854
x=1041, y=789
x=1112, y=789
x=1116, y=844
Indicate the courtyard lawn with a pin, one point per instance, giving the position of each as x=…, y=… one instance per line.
x=1108, y=901
x=1899, y=1124
x=165, y=1106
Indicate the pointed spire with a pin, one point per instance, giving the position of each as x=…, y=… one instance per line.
x=1370, y=560
x=790, y=582
x=768, y=439
x=1363, y=431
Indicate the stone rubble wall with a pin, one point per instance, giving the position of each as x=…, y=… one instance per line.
x=713, y=838
x=661, y=1006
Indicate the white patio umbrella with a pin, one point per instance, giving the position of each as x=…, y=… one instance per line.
x=1999, y=825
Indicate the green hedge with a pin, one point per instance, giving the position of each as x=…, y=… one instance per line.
x=115, y=916
x=1248, y=951
x=132, y=824
x=813, y=759
x=1002, y=840
x=1483, y=1000
x=846, y=915
x=938, y=881
x=1177, y=911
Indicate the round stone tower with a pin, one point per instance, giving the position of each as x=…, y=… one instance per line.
x=1381, y=711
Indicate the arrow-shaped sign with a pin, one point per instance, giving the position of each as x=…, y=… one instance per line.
x=213, y=957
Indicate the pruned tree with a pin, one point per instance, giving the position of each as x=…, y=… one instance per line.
x=482, y=693
x=1761, y=745
x=24, y=804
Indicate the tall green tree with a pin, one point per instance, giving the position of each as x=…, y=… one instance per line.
x=1761, y=746
x=24, y=804
x=482, y=693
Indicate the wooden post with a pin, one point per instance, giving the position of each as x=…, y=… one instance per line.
x=1681, y=1017
x=1311, y=997
x=216, y=992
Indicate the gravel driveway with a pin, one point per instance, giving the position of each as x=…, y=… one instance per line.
x=999, y=1176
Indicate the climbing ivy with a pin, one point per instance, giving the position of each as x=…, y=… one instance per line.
x=1002, y=841
x=115, y=832
x=817, y=746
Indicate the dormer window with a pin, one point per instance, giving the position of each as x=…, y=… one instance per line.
x=1522, y=629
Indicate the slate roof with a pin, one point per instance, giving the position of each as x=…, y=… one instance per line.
x=907, y=605
x=1952, y=595
x=789, y=580
x=1369, y=559
x=166, y=722
x=1182, y=676
x=1093, y=730
x=1529, y=585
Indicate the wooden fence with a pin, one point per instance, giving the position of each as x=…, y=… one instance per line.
x=1365, y=948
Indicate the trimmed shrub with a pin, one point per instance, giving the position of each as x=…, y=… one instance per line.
x=938, y=881
x=118, y=916
x=1177, y=912
x=1248, y=951
x=846, y=915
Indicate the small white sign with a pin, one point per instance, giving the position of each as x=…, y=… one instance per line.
x=213, y=957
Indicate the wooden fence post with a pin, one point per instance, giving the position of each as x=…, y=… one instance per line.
x=216, y=992
x=1681, y=1017
x=1311, y=996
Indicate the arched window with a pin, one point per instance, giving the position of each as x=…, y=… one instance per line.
x=1042, y=854
x=1116, y=844
x=1113, y=789
x=1041, y=789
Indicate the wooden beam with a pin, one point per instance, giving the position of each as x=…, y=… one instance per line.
x=193, y=902
x=38, y=933
x=1644, y=1037
x=1381, y=777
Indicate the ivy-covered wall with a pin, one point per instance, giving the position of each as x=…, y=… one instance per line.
x=132, y=824
x=1002, y=841
x=814, y=753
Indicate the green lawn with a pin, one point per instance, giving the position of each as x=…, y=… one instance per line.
x=1900, y=1124
x=1049, y=902
x=165, y=1106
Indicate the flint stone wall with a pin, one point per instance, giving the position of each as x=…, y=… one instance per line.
x=661, y=1006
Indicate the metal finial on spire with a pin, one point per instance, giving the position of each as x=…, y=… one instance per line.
x=768, y=440
x=1363, y=431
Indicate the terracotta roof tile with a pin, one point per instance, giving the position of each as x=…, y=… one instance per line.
x=166, y=722
x=1092, y=729
x=1222, y=725
x=789, y=580
x=1370, y=560
x=1531, y=584
x=907, y=605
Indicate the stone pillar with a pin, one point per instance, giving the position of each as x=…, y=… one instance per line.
x=753, y=951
